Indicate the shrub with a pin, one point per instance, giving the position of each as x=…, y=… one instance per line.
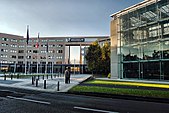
x=109, y=75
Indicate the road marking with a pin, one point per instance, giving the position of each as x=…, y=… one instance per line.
x=97, y=110
x=29, y=100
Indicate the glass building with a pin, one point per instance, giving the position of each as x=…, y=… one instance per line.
x=140, y=41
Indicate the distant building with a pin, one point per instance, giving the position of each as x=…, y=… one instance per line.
x=50, y=52
x=140, y=41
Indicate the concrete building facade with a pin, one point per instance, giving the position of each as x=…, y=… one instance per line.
x=43, y=55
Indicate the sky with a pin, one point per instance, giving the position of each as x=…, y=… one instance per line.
x=59, y=17
x=54, y=18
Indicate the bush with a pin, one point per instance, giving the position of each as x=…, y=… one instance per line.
x=109, y=75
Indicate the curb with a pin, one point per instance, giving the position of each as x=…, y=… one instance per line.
x=126, y=97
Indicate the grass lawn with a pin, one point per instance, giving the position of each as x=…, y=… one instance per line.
x=122, y=91
x=125, y=83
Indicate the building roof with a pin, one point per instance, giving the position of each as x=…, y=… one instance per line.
x=136, y=6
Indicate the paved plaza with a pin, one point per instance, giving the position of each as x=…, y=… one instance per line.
x=51, y=83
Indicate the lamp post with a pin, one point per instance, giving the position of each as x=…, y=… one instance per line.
x=74, y=66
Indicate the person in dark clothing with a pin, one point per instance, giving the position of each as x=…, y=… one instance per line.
x=67, y=75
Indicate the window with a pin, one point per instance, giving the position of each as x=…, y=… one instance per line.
x=5, y=39
x=3, y=56
x=29, y=51
x=51, y=40
x=4, y=44
x=50, y=57
x=13, y=56
x=51, y=51
x=13, y=51
x=59, y=40
x=35, y=51
x=59, y=51
x=42, y=57
x=34, y=57
x=13, y=45
x=51, y=45
x=20, y=62
x=44, y=40
x=13, y=40
x=29, y=46
x=20, y=57
x=21, y=51
x=21, y=40
x=43, y=51
x=34, y=62
x=28, y=57
x=59, y=45
x=21, y=46
x=4, y=50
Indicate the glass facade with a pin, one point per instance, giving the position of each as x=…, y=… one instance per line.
x=144, y=42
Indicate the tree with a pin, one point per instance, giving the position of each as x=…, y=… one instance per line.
x=93, y=57
x=106, y=58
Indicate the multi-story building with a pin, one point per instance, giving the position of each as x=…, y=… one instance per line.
x=140, y=41
x=44, y=54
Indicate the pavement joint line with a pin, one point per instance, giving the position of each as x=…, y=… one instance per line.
x=29, y=100
x=95, y=110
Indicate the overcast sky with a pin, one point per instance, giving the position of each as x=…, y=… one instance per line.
x=59, y=17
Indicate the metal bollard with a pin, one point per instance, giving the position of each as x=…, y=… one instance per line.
x=32, y=80
x=44, y=84
x=4, y=76
x=58, y=86
x=47, y=76
x=17, y=76
x=11, y=76
x=36, y=82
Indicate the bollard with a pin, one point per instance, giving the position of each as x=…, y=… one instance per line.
x=58, y=86
x=36, y=82
x=17, y=76
x=44, y=84
x=11, y=76
x=4, y=76
x=32, y=80
x=47, y=76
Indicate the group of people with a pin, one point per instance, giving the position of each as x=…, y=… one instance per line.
x=67, y=75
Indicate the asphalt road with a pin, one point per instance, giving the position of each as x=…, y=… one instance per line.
x=25, y=101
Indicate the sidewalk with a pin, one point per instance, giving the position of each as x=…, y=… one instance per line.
x=51, y=84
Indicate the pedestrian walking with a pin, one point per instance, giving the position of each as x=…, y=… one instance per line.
x=67, y=75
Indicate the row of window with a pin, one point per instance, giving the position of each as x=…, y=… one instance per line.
x=35, y=57
x=14, y=40
x=30, y=51
x=21, y=62
x=22, y=46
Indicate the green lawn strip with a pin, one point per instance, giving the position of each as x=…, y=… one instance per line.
x=121, y=91
x=126, y=83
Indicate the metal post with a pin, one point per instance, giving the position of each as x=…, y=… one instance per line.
x=47, y=76
x=11, y=76
x=4, y=76
x=51, y=77
x=44, y=84
x=43, y=77
x=58, y=86
x=17, y=76
x=32, y=80
x=36, y=82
